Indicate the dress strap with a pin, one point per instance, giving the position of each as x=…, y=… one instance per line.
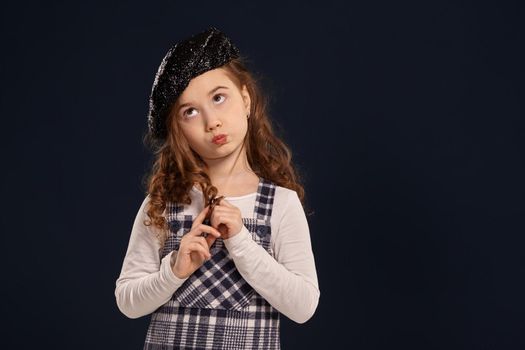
x=264, y=200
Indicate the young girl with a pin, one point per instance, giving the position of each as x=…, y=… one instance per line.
x=216, y=271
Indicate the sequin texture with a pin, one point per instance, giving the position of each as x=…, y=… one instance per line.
x=184, y=61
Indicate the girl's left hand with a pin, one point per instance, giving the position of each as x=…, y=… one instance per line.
x=227, y=219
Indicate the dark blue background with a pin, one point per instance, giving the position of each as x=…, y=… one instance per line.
x=405, y=118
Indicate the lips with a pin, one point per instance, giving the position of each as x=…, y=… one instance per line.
x=218, y=139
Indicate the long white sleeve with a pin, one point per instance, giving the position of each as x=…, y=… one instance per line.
x=145, y=282
x=288, y=282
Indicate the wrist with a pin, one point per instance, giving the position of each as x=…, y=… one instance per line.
x=173, y=259
x=177, y=274
x=236, y=237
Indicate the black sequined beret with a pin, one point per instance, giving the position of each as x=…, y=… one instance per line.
x=184, y=61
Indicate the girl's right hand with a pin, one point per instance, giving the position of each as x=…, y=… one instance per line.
x=194, y=249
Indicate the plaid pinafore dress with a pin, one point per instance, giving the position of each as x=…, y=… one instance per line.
x=215, y=308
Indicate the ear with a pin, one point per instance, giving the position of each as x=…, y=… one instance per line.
x=246, y=98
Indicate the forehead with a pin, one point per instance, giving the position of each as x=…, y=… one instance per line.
x=203, y=83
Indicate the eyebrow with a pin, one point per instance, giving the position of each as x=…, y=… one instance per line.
x=209, y=93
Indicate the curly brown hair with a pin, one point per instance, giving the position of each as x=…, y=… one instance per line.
x=176, y=167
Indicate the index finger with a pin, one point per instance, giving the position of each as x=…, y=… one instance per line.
x=200, y=218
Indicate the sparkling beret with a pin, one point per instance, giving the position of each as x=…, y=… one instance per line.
x=184, y=61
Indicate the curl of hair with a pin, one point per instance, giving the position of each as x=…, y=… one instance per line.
x=176, y=167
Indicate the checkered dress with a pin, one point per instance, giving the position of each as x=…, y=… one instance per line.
x=215, y=308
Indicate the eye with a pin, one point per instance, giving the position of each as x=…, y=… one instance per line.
x=185, y=113
x=221, y=95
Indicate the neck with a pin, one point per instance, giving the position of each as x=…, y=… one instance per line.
x=227, y=169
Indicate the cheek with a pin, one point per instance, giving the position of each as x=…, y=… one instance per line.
x=191, y=136
x=238, y=117
x=241, y=127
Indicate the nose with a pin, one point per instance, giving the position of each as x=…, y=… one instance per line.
x=212, y=122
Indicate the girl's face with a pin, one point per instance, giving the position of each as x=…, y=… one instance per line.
x=211, y=105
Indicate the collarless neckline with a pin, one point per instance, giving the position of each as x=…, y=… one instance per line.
x=196, y=189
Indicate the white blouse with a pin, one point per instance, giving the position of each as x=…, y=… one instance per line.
x=287, y=281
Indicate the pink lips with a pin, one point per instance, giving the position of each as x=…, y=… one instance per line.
x=219, y=139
